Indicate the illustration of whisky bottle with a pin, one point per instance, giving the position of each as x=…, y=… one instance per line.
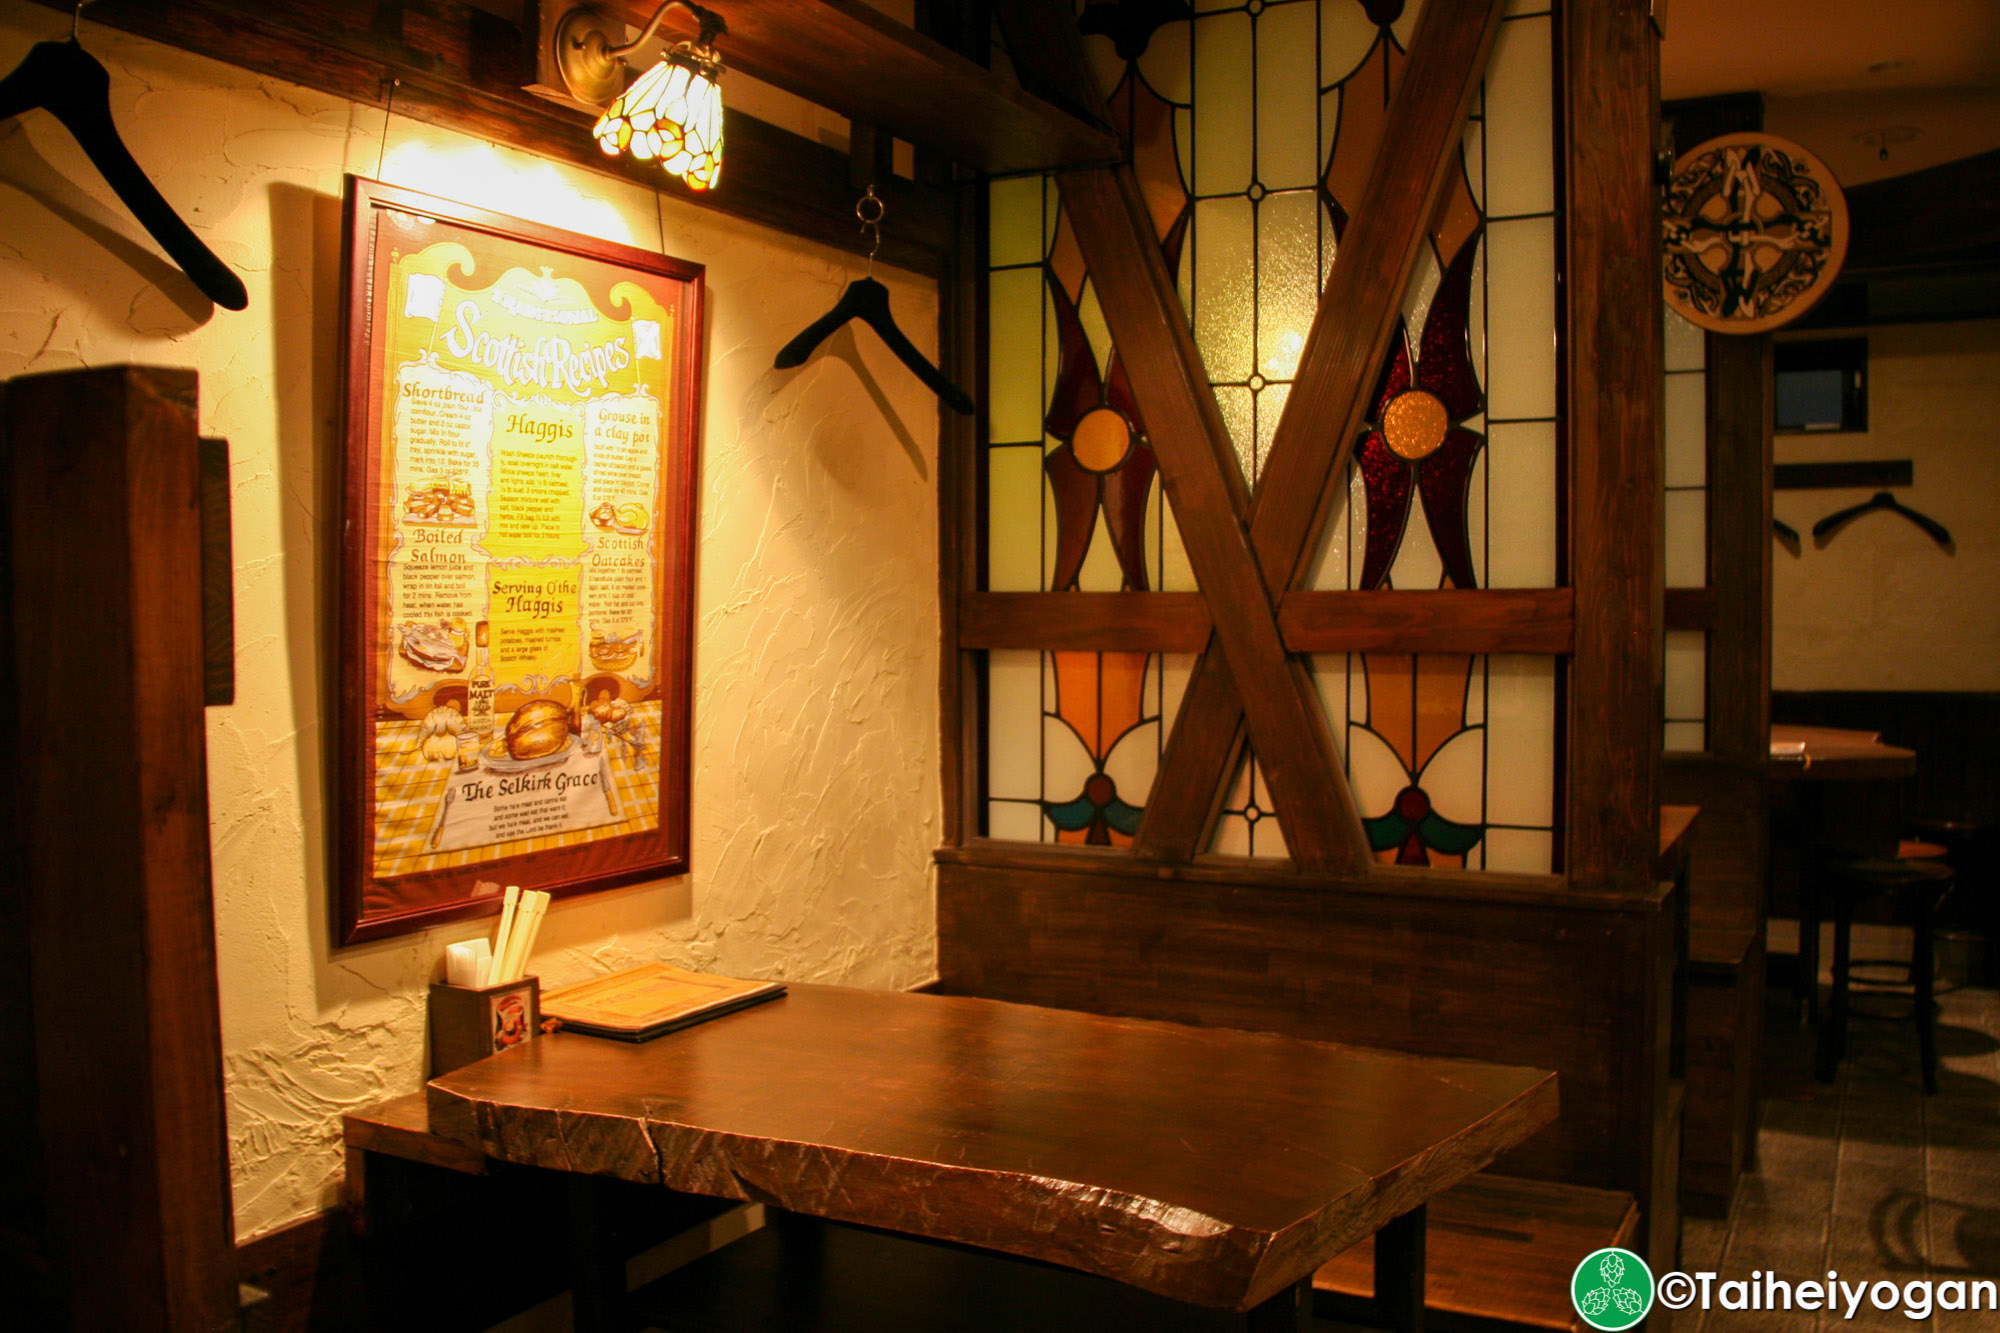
x=479, y=691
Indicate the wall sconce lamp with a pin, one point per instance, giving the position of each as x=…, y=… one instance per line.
x=672, y=114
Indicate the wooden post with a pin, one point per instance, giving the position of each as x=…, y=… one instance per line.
x=107, y=631
x=1739, y=551
x=1611, y=91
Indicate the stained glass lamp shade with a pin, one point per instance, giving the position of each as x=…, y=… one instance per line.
x=672, y=114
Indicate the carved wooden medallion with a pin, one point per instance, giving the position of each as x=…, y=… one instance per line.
x=1755, y=233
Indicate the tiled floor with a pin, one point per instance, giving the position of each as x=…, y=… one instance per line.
x=1867, y=1176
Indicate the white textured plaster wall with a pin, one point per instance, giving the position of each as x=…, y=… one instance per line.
x=816, y=800
x=1881, y=606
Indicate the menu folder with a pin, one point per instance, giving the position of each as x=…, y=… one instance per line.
x=644, y=1002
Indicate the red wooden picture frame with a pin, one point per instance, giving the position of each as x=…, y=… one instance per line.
x=510, y=537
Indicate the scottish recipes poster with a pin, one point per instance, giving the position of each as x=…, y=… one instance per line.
x=518, y=521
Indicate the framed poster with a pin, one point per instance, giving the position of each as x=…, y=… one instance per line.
x=522, y=411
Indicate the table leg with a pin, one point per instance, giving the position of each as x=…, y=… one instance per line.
x=1399, y=1272
x=597, y=1273
x=1923, y=969
x=1287, y=1312
x=1805, y=987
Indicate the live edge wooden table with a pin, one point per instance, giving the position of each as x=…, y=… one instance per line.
x=1211, y=1168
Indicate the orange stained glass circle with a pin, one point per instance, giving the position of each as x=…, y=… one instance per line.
x=1414, y=423
x=1102, y=439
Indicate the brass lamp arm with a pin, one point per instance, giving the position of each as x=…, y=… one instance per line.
x=593, y=66
x=711, y=23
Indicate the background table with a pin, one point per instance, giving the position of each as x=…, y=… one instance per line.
x=1814, y=755
x=1213, y=1167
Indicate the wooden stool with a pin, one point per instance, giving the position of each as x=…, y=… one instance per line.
x=1918, y=885
x=1973, y=848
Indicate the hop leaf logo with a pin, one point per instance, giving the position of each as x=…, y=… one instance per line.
x=1612, y=1289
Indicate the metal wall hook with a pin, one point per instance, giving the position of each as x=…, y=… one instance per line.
x=871, y=210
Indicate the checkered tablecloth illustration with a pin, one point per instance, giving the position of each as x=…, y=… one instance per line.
x=409, y=799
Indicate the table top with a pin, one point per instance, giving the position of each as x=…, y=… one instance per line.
x=1832, y=753
x=1212, y=1166
x=1675, y=821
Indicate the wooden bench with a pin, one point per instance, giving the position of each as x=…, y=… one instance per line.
x=1500, y=1253
x=1725, y=1016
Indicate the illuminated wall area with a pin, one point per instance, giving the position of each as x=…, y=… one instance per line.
x=815, y=767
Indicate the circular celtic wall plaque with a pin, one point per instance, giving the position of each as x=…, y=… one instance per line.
x=1756, y=230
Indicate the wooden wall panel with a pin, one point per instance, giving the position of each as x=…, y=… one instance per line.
x=1955, y=734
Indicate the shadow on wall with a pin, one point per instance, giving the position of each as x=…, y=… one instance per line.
x=839, y=346
x=23, y=167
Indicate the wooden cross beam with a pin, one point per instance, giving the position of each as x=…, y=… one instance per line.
x=1198, y=468
x=1246, y=673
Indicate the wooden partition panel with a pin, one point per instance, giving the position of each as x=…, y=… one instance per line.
x=1512, y=969
x=107, y=626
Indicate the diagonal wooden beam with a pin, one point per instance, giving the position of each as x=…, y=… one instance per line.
x=1199, y=471
x=1306, y=465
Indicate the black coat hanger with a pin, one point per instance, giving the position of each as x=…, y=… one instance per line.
x=66, y=81
x=1882, y=500
x=868, y=300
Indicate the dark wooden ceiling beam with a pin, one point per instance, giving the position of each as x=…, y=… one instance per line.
x=1358, y=314
x=1199, y=471
x=850, y=58
x=1938, y=215
x=460, y=69
x=1048, y=55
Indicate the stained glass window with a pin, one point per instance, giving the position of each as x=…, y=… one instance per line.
x=1073, y=505
x=1254, y=126
x=1454, y=483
